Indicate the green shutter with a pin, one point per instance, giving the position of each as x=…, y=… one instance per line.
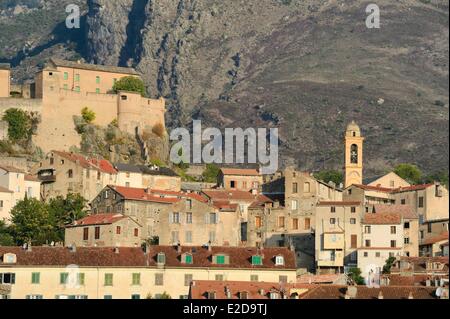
x=66, y=76
x=136, y=280
x=256, y=260
x=220, y=260
x=35, y=278
x=108, y=279
x=63, y=278
x=80, y=279
x=188, y=259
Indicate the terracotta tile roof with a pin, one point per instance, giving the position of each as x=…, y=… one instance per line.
x=225, y=206
x=240, y=171
x=405, y=211
x=231, y=195
x=419, y=264
x=93, y=67
x=339, y=203
x=83, y=256
x=101, y=165
x=379, y=248
x=254, y=290
x=415, y=280
x=12, y=169
x=413, y=188
x=240, y=257
x=364, y=292
x=32, y=178
x=142, y=194
x=142, y=169
x=98, y=219
x=260, y=201
x=435, y=239
x=382, y=219
x=318, y=279
x=374, y=188
x=5, y=190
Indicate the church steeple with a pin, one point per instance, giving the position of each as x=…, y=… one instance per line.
x=353, y=155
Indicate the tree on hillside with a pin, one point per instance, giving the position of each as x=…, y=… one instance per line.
x=31, y=222
x=19, y=124
x=441, y=177
x=210, y=174
x=88, y=115
x=409, y=172
x=64, y=211
x=330, y=176
x=131, y=84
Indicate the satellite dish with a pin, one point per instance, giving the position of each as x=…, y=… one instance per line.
x=439, y=292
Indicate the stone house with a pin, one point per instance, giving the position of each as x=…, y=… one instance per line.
x=239, y=179
x=104, y=230
x=62, y=173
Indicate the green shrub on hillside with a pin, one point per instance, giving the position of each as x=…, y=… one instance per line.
x=88, y=115
x=131, y=84
x=19, y=125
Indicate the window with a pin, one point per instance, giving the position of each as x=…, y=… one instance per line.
x=66, y=87
x=406, y=240
x=189, y=237
x=212, y=218
x=175, y=218
x=279, y=261
x=307, y=223
x=212, y=236
x=135, y=296
x=403, y=201
x=70, y=173
x=244, y=185
x=366, y=254
x=367, y=242
x=294, y=188
x=97, y=90
x=175, y=237
x=97, y=232
x=243, y=295
x=281, y=222
x=283, y=279
x=295, y=223
x=136, y=232
x=97, y=79
x=159, y=279
x=256, y=260
x=393, y=243
x=188, y=279
x=118, y=230
x=354, y=154
x=294, y=205
x=377, y=254
x=332, y=221
x=107, y=297
x=421, y=201
x=188, y=218
x=421, y=234
x=77, y=78
x=77, y=89
x=258, y=222
x=353, y=209
x=367, y=229
x=188, y=259
x=429, y=226
x=86, y=233
x=189, y=204
x=306, y=187
x=219, y=278
x=393, y=230
x=254, y=278
x=136, y=279
x=108, y=279
x=220, y=259
x=63, y=278
x=333, y=209
x=161, y=258
x=274, y=295
x=66, y=75
x=1, y=204
x=34, y=297
x=406, y=225
x=36, y=278
x=232, y=184
x=353, y=221
x=354, y=241
x=80, y=279
x=211, y=295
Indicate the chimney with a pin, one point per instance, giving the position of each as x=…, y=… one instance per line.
x=116, y=250
x=228, y=292
x=380, y=295
x=73, y=248
x=261, y=292
x=179, y=248
x=29, y=247
x=410, y=295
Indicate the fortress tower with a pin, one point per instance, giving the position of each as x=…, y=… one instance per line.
x=353, y=155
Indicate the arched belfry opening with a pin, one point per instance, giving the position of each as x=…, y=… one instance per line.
x=354, y=154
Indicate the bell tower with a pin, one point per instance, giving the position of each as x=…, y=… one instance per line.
x=353, y=155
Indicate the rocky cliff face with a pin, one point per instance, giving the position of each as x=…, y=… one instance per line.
x=307, y=67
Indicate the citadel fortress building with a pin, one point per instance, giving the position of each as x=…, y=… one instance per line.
x=63, y=88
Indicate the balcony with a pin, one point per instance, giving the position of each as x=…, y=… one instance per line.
x=47, y=176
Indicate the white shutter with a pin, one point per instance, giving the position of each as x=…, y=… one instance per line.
x=170, y=218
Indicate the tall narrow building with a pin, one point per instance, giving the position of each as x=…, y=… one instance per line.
x=353, y=155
